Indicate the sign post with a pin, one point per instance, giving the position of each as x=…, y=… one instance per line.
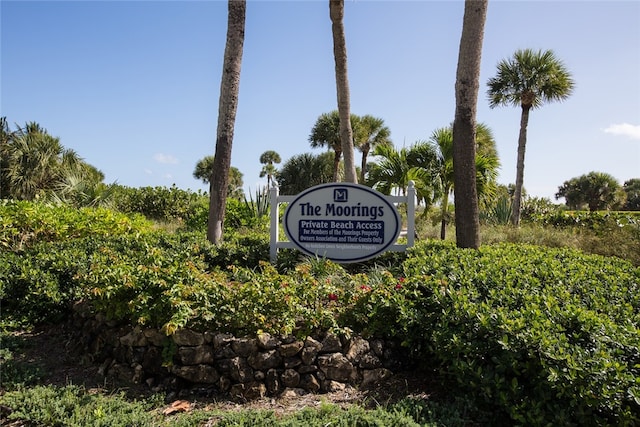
x=343, y=222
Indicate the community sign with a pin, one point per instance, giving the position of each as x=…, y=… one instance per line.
x=341, y=221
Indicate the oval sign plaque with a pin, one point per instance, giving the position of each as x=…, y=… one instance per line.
x=341, y=221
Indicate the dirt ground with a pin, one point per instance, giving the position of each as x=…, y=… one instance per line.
x=51, y=351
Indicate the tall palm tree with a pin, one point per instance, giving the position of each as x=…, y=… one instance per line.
x=464, y=124
x=227, y=108
x=268, y=158
x=529, y=79
x=369, y=132
x=336, y=12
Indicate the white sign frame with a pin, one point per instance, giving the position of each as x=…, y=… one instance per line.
x=328, y=247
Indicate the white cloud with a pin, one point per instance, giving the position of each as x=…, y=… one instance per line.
x=165, y=158
x=624, y=129
x=148, y=171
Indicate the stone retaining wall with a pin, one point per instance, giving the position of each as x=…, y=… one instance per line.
x=246, y=368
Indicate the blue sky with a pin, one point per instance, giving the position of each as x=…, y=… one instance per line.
x=133, y=86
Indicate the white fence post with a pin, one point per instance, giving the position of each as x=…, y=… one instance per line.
x=274, y=205
x=411, y=214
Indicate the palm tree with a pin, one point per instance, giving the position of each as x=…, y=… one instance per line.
x=326, y=133
x=528, y=80
x=33, y=164
x=227, y=108
x=369, y=132
x=304, y=171
x=464, y=124
x=391, y=171
x=336, y=12
x=6, y=136
x=75, y=190
x=204, y=171
x=486, y=166
x=396, y=168
x=632, y=189
x=442, y=142
x=268, y=158
x=597, y=190
x=423, y=160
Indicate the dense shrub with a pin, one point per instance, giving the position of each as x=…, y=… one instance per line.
x=535, y=335
x=23, y=223
x=158, y=203
x=173, y=286
x=45, y=247
x=533, y=207
x=547, y=336
x=39, y=283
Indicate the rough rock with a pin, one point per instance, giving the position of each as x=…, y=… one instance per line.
x=188, y=337
x=337, y=367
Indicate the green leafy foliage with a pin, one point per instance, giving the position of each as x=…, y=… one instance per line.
x=14, y=374
x=500, y=213
x=159, y=203
x=544, y=335
x=39, y=284
x=259, y=206
x=23, y=223
x=72, y=406
x=534, y=335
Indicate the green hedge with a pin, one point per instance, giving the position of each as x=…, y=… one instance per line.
x=23, y=223
x=548, y=336
x=159, y=203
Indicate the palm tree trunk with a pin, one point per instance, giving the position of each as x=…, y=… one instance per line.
x=522, y=144
x=464, y=124
x=227, y=108
x=336, y=165
x=363, y=164
x=336, y=12
x=443, y=223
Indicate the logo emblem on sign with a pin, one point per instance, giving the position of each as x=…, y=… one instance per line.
x=340, y=195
